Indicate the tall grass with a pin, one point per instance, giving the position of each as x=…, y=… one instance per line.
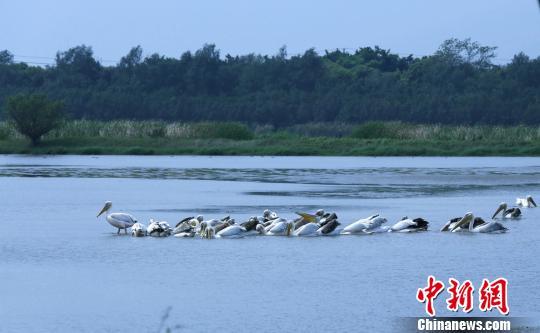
x=404, y=131
x=236, y=131
x=140, y=129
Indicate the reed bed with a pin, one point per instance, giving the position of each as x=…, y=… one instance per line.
x=140, y=129
x=404, y=131
x=227, y=138
x=238, y=131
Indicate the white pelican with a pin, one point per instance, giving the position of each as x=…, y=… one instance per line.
x=486, y=227
x=511, y=213
x=408, y=225
x=330, y=227
x=269, y=215
x=280, y=227
x=306, y=218
x=307, y=230
x=223, y=225
x=237, y=231
x=158, y=229
x=211, y=223
x=138, y=230
x=118, y=220
x=184, y=226
x=452, y=224
x=528, y=202
x=251, y=224
x=368, y=225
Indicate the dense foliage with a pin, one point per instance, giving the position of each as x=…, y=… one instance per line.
x=34, y=115
x=458, y=84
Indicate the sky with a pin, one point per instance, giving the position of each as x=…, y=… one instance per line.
x=35, y=30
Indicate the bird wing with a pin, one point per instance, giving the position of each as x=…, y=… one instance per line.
x=184, y=220
x=123, y=217
x=356, y=226
x=403, y=224
x=231, y=231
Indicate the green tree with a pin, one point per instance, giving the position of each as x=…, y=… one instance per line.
x=132, y=59
x=34, y=115
x=458, y=52
x=6, y=58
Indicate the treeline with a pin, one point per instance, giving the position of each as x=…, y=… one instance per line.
x=458, y=84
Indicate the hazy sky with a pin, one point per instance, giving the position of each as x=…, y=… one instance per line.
x=112, y=27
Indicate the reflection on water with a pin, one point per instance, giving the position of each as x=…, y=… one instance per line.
x=381, y=182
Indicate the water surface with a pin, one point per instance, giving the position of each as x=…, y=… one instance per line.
x=63, y=270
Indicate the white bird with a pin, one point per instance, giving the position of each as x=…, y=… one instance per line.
x=238, y=231
x=307, y=230
x=528, y=202
x=138, y=230
x=330, y=227
x=510, y=213
x=487, y=227
x=117, y=220
x=306, y=218
x=158, y=229
x=187, y=225
x=280, y=227
x=269, y=215
x=368, y=225
x=408, y=225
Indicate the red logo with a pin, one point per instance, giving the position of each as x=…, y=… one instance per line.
x=429, y=294
x=492, y=295
x=460, y=295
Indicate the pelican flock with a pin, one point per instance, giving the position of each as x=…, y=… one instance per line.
x=320, y=223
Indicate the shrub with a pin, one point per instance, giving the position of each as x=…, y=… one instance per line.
x=34, y=115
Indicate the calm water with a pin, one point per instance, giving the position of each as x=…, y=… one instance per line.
x=62, y=270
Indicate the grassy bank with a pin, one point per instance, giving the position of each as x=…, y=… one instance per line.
x=370, y=139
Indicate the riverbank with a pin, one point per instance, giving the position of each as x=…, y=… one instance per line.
x=322, y=146
x=370, y=139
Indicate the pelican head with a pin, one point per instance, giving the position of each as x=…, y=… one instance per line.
x=468, y=218
x=231, y=221
x=502, y=207
x=106, y=207
x=530, y=200
x=319, y=212
x=266, y=213
x=200, y=218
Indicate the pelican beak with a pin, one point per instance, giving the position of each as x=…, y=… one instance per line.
x=531, y=200
x=500, y=209
x=103, y=210
x=464, y=220
x=307, y=217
